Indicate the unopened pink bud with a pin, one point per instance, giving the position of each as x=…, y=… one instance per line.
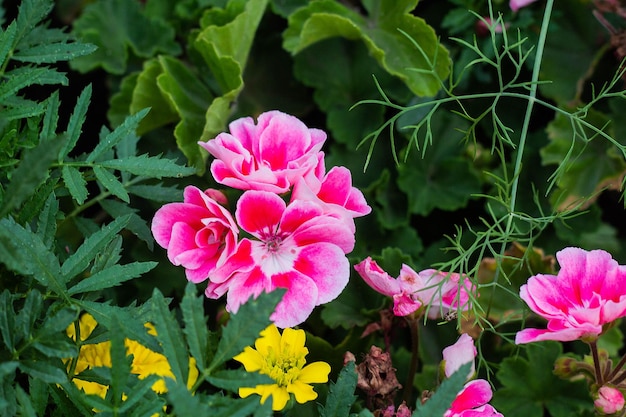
x=403, y=410
x=609, y=400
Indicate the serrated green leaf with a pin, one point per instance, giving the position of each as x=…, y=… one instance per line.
x=7, y=41
x=75, y=183
x=56, y=348
x=38, y=391
x=341, y=394
x=47, y=221
x=156, y=192
x=25, y=406
x=441, y=400
x=184, y=403
x=108, y=257
x=111, y=183
x=138, y=395
x=245, y=326
x=196, y=328
x=29, y=175
x=44, y=370
x=23, y=110
x=33, y=206
x=149, y=166
x=233, y=379
x=116, y=26
x=136, y=224
x=23, y=77
x=120, y=363
x=30, y=13
x=75, y=124
x=25, y=320
x=79, y=261
x=112, y=276
x=23, y=251
x=7, y=322
x=171, y=337
x=127, y=128
x=381, y=32
x=55, y=52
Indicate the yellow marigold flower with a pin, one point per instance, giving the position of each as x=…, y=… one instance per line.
x=282, y=358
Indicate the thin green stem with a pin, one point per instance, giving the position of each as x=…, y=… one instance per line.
x=617, y=368
x=596, y=363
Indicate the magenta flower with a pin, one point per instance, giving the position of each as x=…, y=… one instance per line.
x=198, y=233
x=608, y=400
x=297, y=247
x=441, y=292
x=473, y=401
x=270, y=156
x=458, y=354
x=515, y=5
x=588, y=293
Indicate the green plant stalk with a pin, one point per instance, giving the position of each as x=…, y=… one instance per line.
x=524, y=133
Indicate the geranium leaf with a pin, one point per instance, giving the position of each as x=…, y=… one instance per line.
x=382, y=32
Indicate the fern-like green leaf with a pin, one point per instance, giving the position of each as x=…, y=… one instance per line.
x=111, y=277
x=51, y=53
x=111, y=183
x=75, y=125
x=75, y=183
x=120, y=133
x=149, y=166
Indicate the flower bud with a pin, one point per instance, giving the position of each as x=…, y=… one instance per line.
x=608, y=400
x=565, y=367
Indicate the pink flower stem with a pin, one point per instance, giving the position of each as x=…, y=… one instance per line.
x=414, y=328
x=596, y=362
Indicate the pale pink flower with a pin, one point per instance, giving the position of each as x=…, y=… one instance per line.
x=461, y=352
x=609, y=400
x=473, y=401
x=515, y=5
x=588, y=293
x=297, y=248
x=270, y=155
x=334, y=192
x=442, y=292
x=198, y=233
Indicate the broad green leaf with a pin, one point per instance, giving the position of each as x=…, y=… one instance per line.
x=149, y=166
x=531, y=388
x=245, y=326
x=382, y=32
x=119, y=104
x=44, y=370
x=127, y=128
x=75, y=125
x=115, y=26
x=79, y=260
x=170, y=336
x=351, y=308
x=47, y=221
x=196, y=328
x=441, y=400
x=112, y=276
x=233, y=379
x=24, y=252
x=23, y=77
x=111, y=183
x=51, y=53
x=32, y=171
x=341, y=395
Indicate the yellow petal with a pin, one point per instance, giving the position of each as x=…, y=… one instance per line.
x=269, y=341
x=316, y=372
x=292, y=342
x=303, y=392
x=280, y=397
x=193, y=373
x=251, y=359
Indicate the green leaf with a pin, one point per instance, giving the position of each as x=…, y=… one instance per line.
x=341, y=394
x=75, y=125
x=530, y=387
x=136, y=224
x=156, y=192
x=33, y=206
x=127, y=128
x=44, y=370
x=245, y=326
x=51, y=117
x=233, y=379
x=56, y=348
x=38, y=391
x=441, y=400
x=115, y=26
x=23, y=77
x=47, y=221
x=196, y=328
x=381, y=31
x=186, y=404
x=32, y=171
x=30, y=13
x=120, y=363
x=75, y=183
x=28, y=314
x=111, y=183
x=112, y=276
x=51, y=53
x=149, y=166
x=7, y=41
x=24, y=252
x=7, y=322
x=79, y=260
x=171, y=337
x=25, y=406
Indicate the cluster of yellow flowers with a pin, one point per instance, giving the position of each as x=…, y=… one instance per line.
x=145, y=361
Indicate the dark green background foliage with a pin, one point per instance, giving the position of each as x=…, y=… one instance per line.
x=102, y=104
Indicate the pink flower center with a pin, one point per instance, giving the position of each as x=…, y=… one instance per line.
x=273, y=243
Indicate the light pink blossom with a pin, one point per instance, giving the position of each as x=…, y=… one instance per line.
x=270, y=155
x=461, y=352
x=198, y=233
x=515, y=5
x=442, y=292
x=588, y=293
x=609, y=400
x=334, y=192
x=473, y=401
x=297, y=247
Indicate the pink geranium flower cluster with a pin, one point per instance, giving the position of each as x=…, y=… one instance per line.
x=298, y=219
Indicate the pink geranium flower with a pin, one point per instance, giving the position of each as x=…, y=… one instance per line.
x=458, y=354
x=297, y=247
x=588, y=293
x=473, y=401
x=334, y=192
x=270, y=155
x=515, y=5
x=608, y=400
x=199, y=233
x=442, y=292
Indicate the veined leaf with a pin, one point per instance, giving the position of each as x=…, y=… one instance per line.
x=171, y=338
x=47, y=221
x=28, y=314
x=111, y=276
x=149, y=166
x=30, y=13
x=196, y=328
x=44, y=370
x=33, y=206
x=7, y=41
x=120, y=133
x=79, y=260
x=23, y=77
x=51, y=53
x=111, y=183
x=136, y=224
x=50, y=118
x=156, y=192
x=75, y=125
x=23, y=110
x=75, y=183
x=7, y=322
x=341, y=394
